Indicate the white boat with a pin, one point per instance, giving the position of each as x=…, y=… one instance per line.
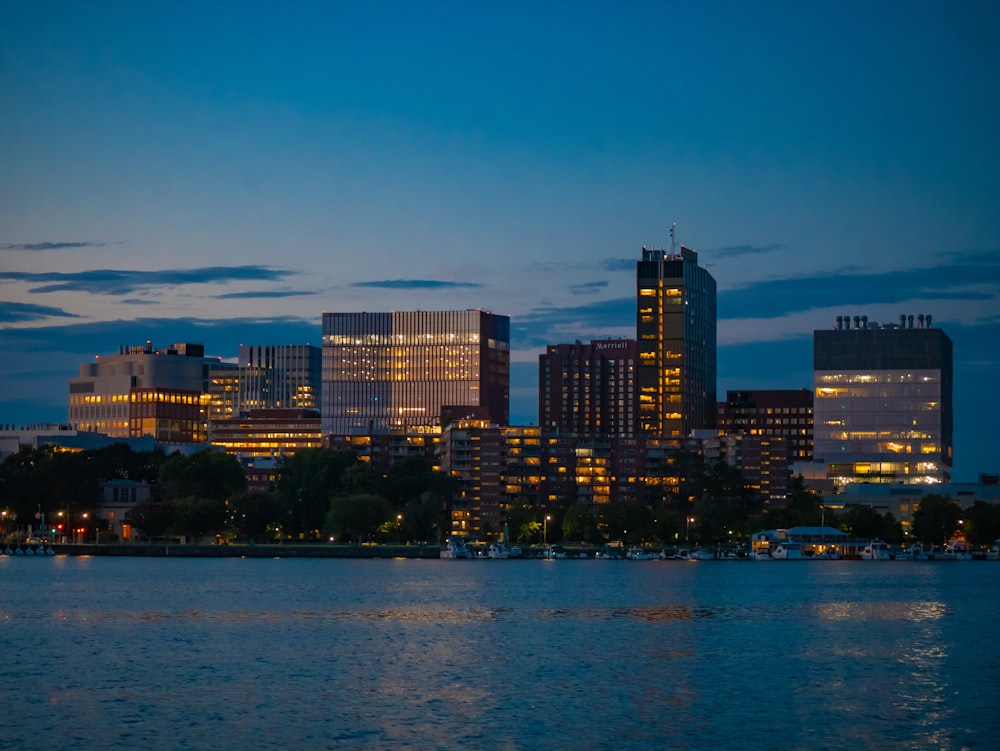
x=876, y=550
x=682, y=554
x=702, y=555
x=916, y=552
x=455, y=547
x=635, y=553
x=497, y=551
x=786, y=550
x=957, y=549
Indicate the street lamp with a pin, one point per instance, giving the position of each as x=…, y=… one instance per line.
x=399, y=526
x=545, y=530
x=687, y=528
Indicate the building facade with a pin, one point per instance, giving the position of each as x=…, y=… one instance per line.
x=676, y=333
x=883, y=401
x=775, y=427
x=588, y=389
x=143, y=391
x=279, y=377
x=385, y=370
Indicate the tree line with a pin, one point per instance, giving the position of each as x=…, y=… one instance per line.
x=324, y=495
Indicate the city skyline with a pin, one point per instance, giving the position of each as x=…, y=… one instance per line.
x=225, y=175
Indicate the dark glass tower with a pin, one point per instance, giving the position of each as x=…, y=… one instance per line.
x=675, y=329
x=883, y=401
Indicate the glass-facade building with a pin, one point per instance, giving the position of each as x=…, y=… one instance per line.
x=676, y=330
x=385, y=370
x=279, y=377
x=883, y=401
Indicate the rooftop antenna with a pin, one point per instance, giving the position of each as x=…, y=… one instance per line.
x=673, y=227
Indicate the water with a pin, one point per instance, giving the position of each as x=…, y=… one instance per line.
x=231, y=653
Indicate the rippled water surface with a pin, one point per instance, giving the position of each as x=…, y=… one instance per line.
x=140, y=653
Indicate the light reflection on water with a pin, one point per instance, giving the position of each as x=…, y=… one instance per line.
x=116, y=653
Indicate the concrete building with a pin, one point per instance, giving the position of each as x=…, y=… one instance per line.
x=143, y=391
x=676, y=333
x=902, y=499
x=588, y=389
x=883, y=401
x=388, y=370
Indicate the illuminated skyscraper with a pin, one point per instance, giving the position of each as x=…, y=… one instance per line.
x=883, y=401
x=675, y=329
x=383, y=370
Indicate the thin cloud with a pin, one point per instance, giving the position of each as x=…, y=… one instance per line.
x=415, y=284
x=587, y=288
x=550, y=325
x=618, y=264
x=971, y=277
x=258, y=294
x=51, y=246
x=17, y=312
x=123, y=282
x=733, y=251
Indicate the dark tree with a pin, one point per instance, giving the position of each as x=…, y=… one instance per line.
x=308, y=480
x=356, y=516
x=936, y=519
x=251, y=515
x=982, y=523
x=205, y=474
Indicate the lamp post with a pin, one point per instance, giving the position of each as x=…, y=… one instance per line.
x=399, y=526
x=545, y=530
x=687, y=529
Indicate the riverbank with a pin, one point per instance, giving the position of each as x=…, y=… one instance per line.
x=283, y=550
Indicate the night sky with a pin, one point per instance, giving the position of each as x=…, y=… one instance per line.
x=225, y=172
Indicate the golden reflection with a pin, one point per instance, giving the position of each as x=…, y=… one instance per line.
x=881, y=611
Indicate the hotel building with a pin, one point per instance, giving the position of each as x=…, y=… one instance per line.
x=588, y=389
x=386, y=370
x=675, y=329
x=883, y=401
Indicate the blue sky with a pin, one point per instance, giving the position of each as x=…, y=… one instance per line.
x=225, y=172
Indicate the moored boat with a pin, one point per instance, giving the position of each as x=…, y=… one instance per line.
x=455, y=547
x=956, y=549
x=876, y=550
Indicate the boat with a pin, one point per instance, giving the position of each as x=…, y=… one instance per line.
x=682, y=554
x=876, y=550
x=635, y=553
x=956, y=549
x=497, y=551
x=702, y=555
x=455, y=547
x=916, y=552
